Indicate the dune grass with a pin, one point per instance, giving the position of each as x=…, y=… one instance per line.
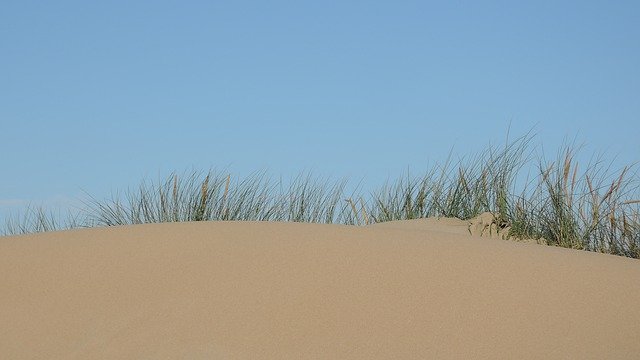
x=198, y=196
x=35, y=219
x=594, y=209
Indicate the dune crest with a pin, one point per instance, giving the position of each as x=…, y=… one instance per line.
x=484, y=225
x=261, y=290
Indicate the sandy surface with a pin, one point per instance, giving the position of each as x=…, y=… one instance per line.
x=421, y=289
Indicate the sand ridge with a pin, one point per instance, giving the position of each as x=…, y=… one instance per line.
x=256, y=290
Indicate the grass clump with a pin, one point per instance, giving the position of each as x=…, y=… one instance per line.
x=463, y=189
x=35, y=219
x=595, y=209
x=212, y=196
x=569, y=208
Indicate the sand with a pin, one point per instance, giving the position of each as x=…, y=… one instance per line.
x=421, y=289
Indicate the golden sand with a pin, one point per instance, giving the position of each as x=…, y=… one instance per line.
x=421, y=289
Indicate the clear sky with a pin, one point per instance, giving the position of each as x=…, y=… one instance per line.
x=97, y=95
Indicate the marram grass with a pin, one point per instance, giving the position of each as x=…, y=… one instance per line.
x=592, y=209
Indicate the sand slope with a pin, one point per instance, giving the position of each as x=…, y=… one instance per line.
x=249, y=290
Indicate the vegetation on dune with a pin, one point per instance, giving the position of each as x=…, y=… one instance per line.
x=594, y=209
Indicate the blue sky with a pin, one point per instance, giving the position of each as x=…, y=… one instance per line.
x=96, y=96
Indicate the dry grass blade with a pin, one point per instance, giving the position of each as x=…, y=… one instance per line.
x=364, y=212
x=355, y=211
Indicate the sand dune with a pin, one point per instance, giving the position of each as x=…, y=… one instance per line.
x=421, y=289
